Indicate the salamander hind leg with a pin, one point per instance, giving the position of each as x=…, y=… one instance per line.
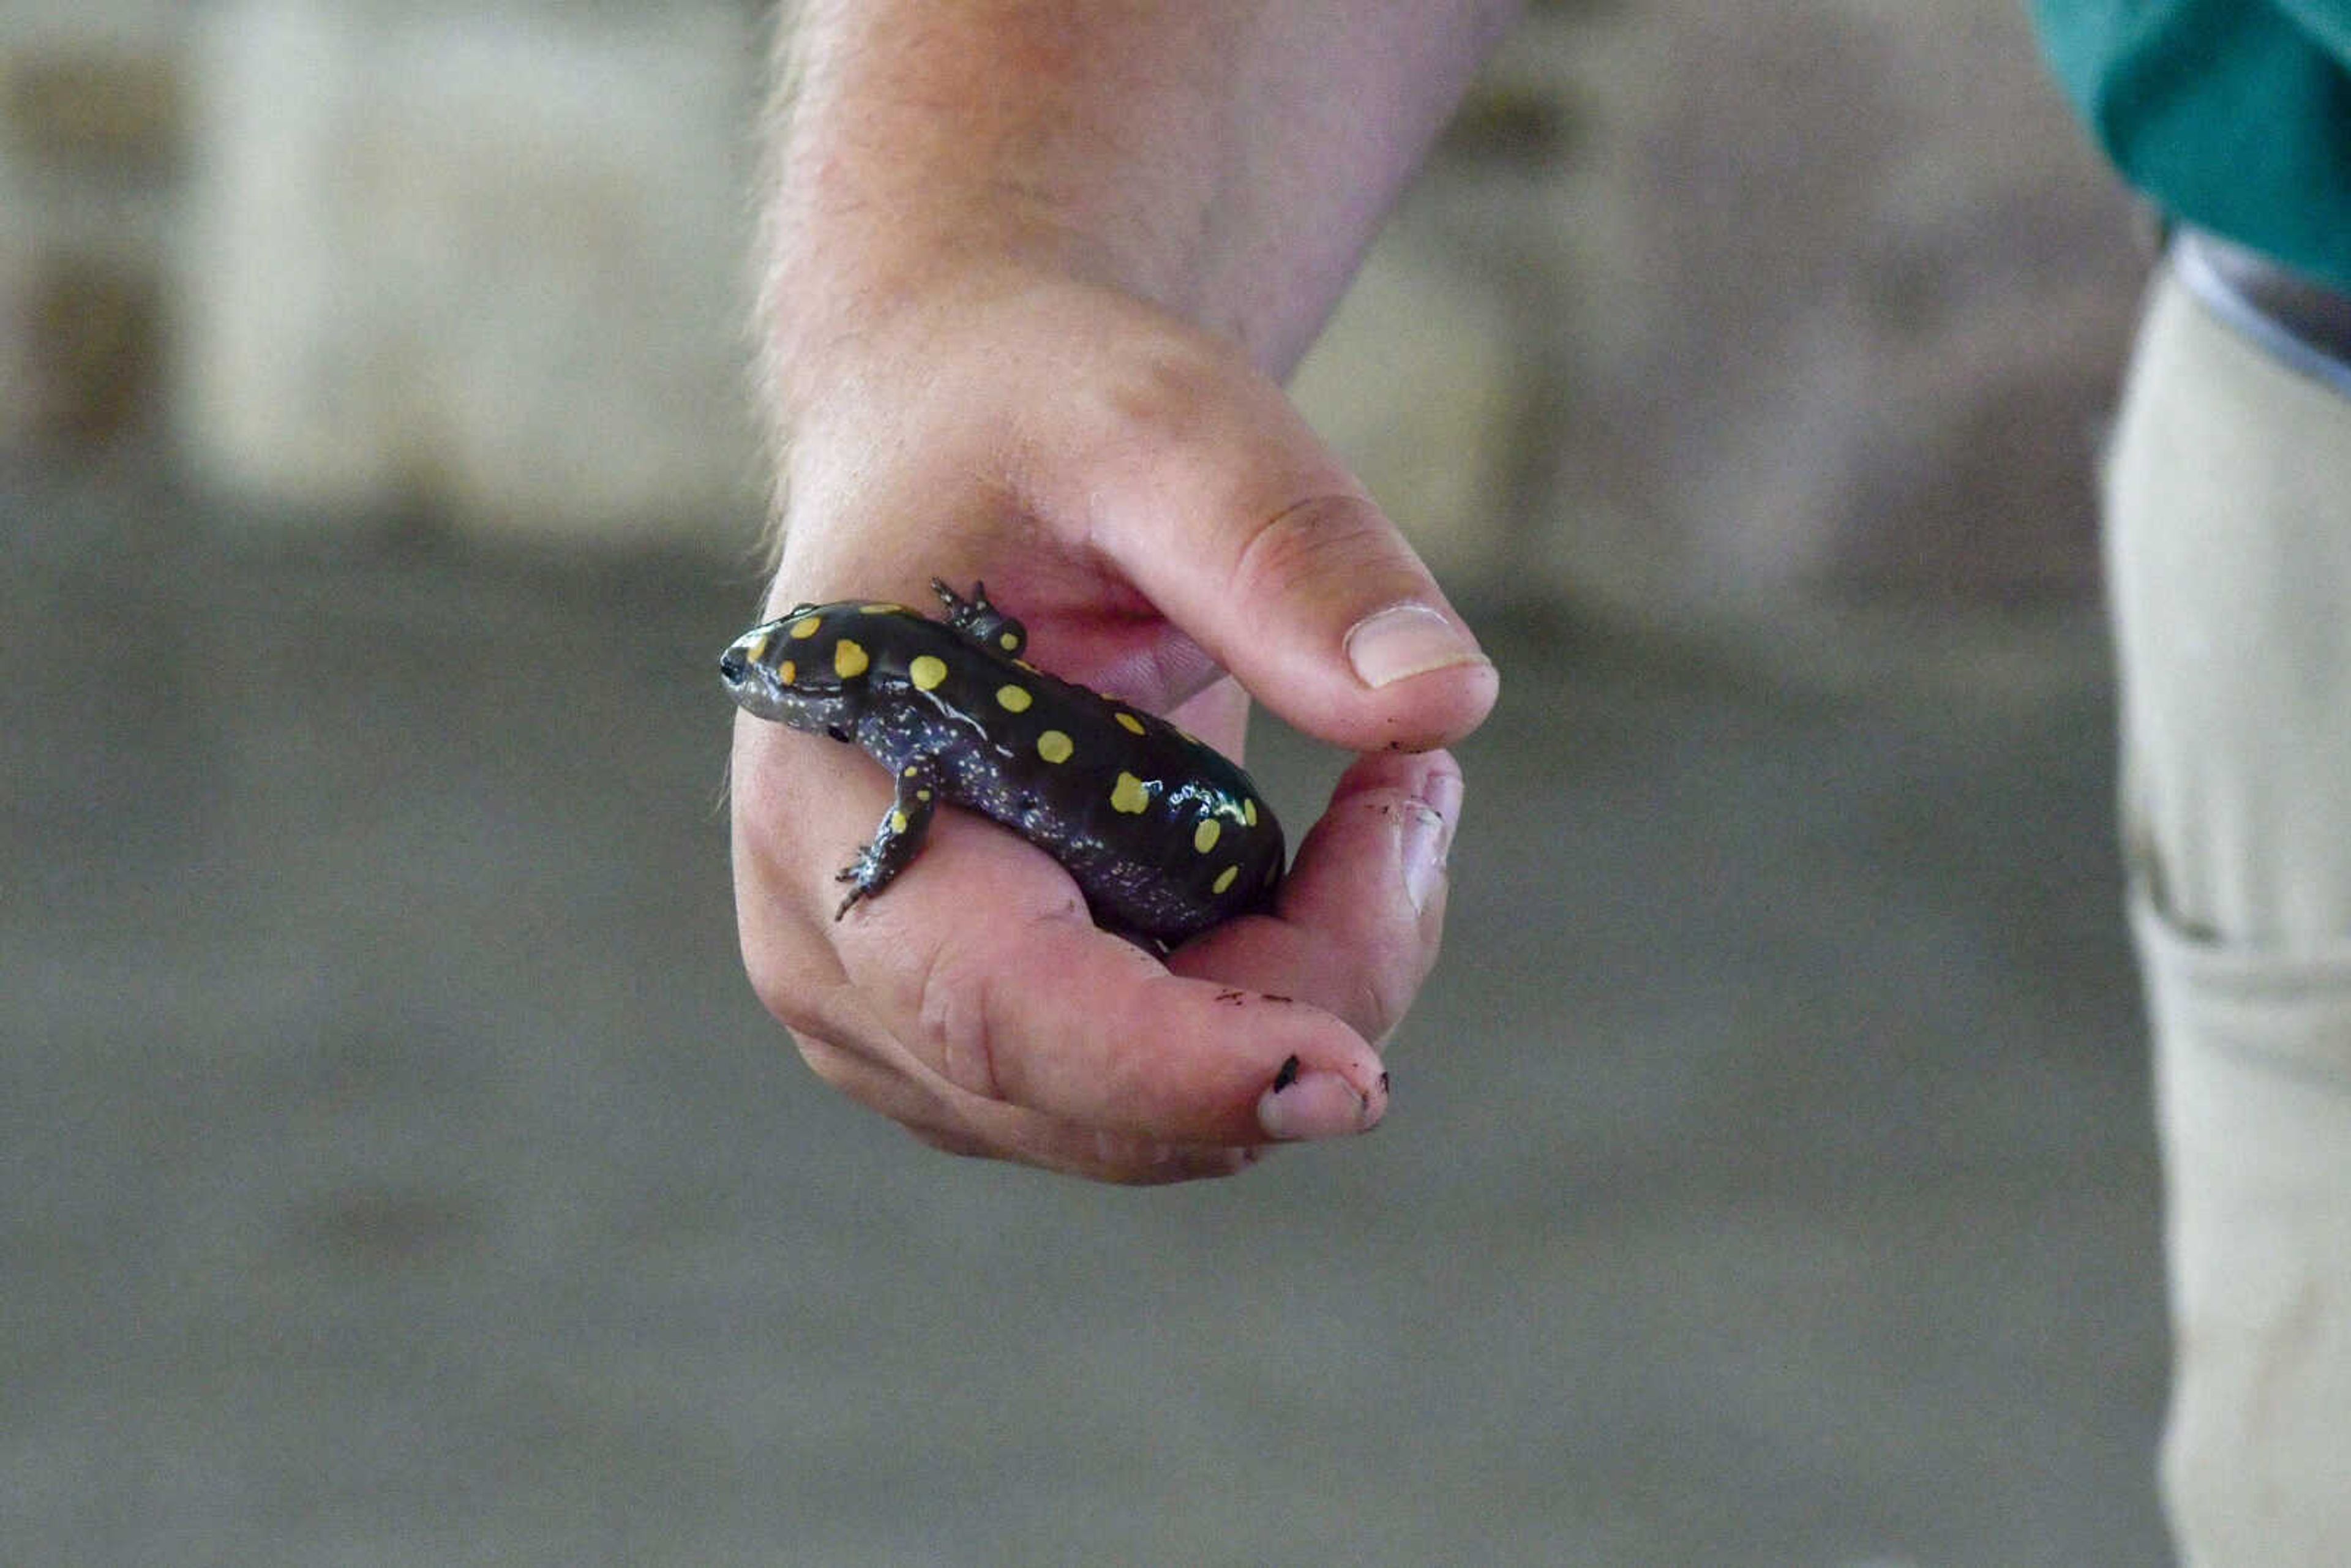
x=898, y=839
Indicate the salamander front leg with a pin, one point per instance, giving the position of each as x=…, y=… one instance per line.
x=981, y=622
x=897, y=841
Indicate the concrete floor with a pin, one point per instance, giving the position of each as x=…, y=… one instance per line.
x=397, y=1169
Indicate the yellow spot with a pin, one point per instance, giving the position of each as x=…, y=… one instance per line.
x=922, y=794
x=928, y=671
x=1013, y=699
x=787, y=672
x=883, y=609
x=1131, y=723
x=757, y=651
x=909, y=771
x=1008, y=640
x=1204, y=837
x=848, y=659
x=1249, y=812
x=1224, y=879
x=1129, y=795
x=805, y=628
x=898, y=824
x=1054, y=746
x=1026, y=665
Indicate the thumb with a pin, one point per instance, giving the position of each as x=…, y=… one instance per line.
x=1218, y=501
x=1326, y=614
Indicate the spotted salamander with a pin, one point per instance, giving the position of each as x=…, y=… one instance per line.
x=1164, y=835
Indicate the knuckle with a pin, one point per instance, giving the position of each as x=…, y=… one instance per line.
x=1195, y=417
x=1331, y=536
x=926, y=1112
x=954, y=1020
x=1375, y=945
x=1171, y=385
x=961, y=1142
x=836, y=1069
x=1385, y=979
x=1388, y=993
x=781, y=985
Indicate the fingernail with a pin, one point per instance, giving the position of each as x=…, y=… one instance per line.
x=1404, y=640
x=1317, y=1104
x=1428, y=837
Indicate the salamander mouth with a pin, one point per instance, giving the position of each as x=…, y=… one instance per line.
x=755, y=689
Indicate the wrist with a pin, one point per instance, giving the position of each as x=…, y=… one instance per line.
x=1225, y=164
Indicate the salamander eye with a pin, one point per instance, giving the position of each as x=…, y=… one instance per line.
x=837, y=732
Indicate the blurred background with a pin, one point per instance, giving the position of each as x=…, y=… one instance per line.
x=395, y=1167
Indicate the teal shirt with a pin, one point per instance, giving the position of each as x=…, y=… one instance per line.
x=2232, y=115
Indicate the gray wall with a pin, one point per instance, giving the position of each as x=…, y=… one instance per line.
x=1697, y=306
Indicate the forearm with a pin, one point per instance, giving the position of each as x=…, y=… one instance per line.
x=1227, y=161
x=1031, y=267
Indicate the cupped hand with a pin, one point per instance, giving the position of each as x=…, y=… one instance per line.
x=1172, y=534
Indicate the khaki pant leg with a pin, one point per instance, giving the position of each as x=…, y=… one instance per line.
x=2229, y=571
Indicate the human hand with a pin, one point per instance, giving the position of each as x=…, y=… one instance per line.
x=1158, y=515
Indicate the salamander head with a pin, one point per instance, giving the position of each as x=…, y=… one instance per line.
x=806, y=669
